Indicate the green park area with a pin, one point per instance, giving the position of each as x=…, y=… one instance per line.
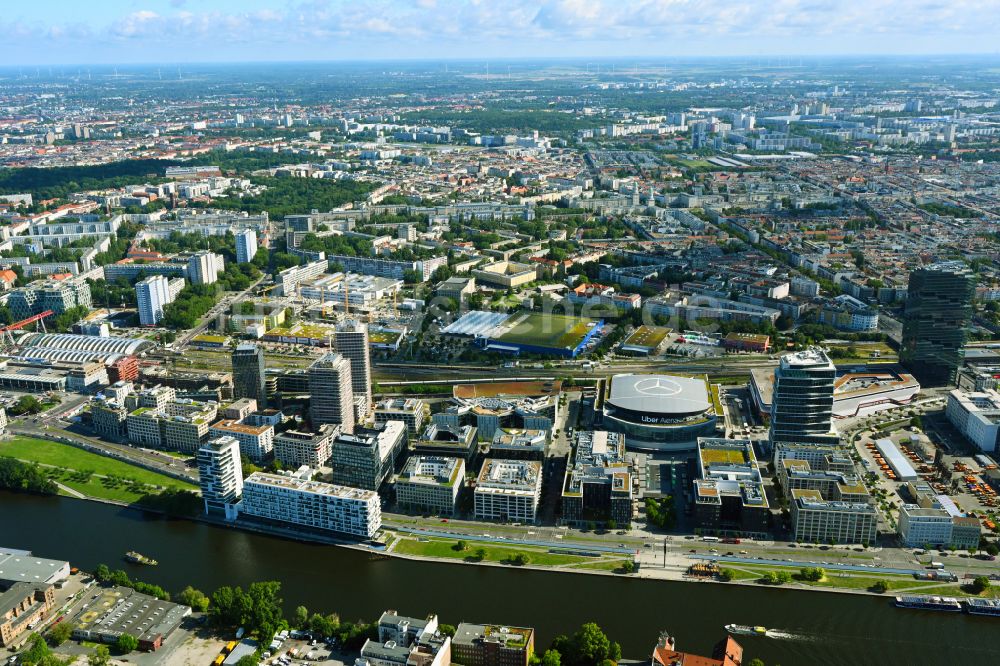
x=848, y=580
x=88, y=473
x=475, y=551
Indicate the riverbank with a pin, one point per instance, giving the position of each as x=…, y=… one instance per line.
x=836, y=629
x=748, y=576
x=508, y=548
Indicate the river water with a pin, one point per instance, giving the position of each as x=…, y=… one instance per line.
x=828, y=628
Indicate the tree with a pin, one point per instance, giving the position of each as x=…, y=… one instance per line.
x=26, y=404
x=102, y=573
x=223, y=610
x=519, y=559
x=126, y=643
x=551, y=658
x=726, y=575
x=756, y=662
x=447, y=629
x=101, y=656
x=196, y=599
x=301, y=617
x=61, y=633
x=812, y=574
x=589, y=646
x=262, y=607
x=980, y=584
x=324, y=625
x=248, y=660
x=479, y=555
x=461, y=546
x=628, y=567
x=37, y=653
x=880, y=586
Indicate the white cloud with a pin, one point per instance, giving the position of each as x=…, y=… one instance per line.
x=526, y=27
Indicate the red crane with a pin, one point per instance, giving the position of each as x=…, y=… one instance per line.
x=17, y=325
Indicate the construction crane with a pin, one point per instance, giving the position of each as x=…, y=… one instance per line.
x=263, y=292
x=5, y=332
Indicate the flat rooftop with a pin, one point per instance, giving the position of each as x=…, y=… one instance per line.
x=659, y=394
x=297, y=484
x=21, y=566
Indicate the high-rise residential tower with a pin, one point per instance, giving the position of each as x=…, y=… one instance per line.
x=331, y=398
x=802, y=406
x=936, y=321
x=246, y=246
x=351, y=342
x=248, y=374
x=204, y=267
x=151, y=296
x=220, y=475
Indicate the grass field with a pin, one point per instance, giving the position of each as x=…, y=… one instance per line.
x=68, y=457
x=445, y=549
x=858, y=581
x=548, y=330
x=647, y=336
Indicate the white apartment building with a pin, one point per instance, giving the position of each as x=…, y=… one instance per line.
x=204, y=267
x=151, y=296
x=246, y=246
x=295, y=499
x=977, y=416
x=816, y=520
x=508, y=490
x=919, y=526
x=256, y=442
x=220, y=475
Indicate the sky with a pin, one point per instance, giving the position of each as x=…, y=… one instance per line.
x=77, y=32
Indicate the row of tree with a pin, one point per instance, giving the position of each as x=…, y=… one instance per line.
x=103, y=574
x=24, y=477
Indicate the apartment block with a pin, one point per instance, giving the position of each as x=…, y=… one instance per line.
x=294, y=448
x=598, y=484
x=508, y=490
x=296, y=499
x=492, y=645
x=367, y=457
x=817, y=520
x=408, y=410
x=331, y=396
x=256, y=442
x=431, y=484
x=729, y=498
x=220, y=475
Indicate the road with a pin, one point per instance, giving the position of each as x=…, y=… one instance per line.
x=826, y=565
x=486, y=537
x=219, y=308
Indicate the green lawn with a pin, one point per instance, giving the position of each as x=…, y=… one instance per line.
x=69, y=457
x=548, y=330
x=849, y=581
x=602, y=565
x=99, y=487
x=445, y=549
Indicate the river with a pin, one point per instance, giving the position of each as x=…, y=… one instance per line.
x=830, y=628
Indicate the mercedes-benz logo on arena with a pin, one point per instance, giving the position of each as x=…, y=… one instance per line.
x=658, y=386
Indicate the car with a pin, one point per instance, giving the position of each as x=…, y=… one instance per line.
x=692, y=551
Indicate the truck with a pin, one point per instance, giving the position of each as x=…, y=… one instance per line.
x=936, y=565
